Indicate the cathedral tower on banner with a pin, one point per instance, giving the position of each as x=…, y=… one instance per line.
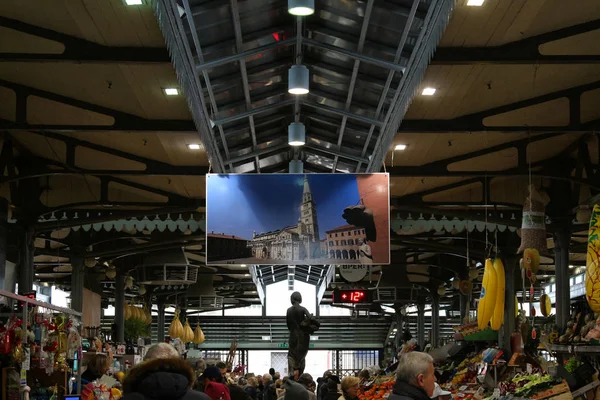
x=308, y=225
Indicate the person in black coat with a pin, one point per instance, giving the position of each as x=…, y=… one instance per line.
x=299, y=340
x=162, y=375
x=415, y=377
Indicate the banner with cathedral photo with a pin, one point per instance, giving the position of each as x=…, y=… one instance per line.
x=297, y=219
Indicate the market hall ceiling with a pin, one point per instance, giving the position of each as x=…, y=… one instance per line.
x=100, y=121
x=365, y=62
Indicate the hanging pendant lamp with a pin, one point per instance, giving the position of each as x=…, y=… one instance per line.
x=296, y=134
x=296, y=167
x=301, y=7
x=298, y=77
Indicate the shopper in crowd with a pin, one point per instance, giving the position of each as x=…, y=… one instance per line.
x=295, y=391
x=210, y=374
x=97, y=366
x=223, y=368
x=350, y=385
x=163, y=375
x=251, y=387
x=307, y=381
x=321, y=383
x=269, y=391
x=330, y=390
x=236, y=392
x=272, y=373
x=415, y=377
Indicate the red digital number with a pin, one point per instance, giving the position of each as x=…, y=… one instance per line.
x=356, y=296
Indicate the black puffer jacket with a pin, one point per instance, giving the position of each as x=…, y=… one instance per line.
x=405, y=391
x=161, y=379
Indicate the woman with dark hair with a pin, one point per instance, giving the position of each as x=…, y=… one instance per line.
x=97, y=366
x=299, y=339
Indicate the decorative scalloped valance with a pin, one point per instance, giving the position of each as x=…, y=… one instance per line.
x=408, y=225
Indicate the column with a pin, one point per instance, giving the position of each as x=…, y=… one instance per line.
x=508, y=329
x=435, y=320
x=421, y=323
x=464, y=301
x=3, y=237
x=562, y=239
x=119, y=304
x=77, y=262
x=160, y=331
x=26, y=268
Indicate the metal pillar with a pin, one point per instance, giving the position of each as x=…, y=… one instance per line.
x=562, y=238
x=3, y=237
x=509, y=303
x=464, y=301
x=26, y=268
x=77, y=275
x=160, y=330
x=435, y=320
x=119, y=305
x=421, y=323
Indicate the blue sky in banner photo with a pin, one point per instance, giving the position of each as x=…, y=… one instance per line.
x=240, y=204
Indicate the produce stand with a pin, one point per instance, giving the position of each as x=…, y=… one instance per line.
x=41, y=345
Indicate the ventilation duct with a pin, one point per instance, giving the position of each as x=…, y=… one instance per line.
x=168, y=267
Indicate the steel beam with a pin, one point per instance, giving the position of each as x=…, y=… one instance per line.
x=474, y=122
x=122, y=121
x=242, y=55
x=254, y=111
x=258, y=153
x=239, y=46
x=525, y=51
x=352, y=54
x=359, y=49
x=79, y=50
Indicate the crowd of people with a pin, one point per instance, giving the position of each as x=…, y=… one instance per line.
x=165, y=375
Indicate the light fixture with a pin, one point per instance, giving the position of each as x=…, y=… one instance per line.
x=134, y=2
x=301, y=7
x=266, y=338
x=428, y=91
x=142, y=290
x=171, y=91
x=90, y=262
x=296, y=167
x=242, y=265
x=441, y=290
x=129, y=282
x=194, y=146
x=298, y=78
x=296, y=134
x=400, y=147
x=475, y=3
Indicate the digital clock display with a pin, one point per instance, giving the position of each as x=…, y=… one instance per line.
x=351, y=296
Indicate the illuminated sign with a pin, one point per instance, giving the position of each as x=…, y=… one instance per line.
x=351, y=296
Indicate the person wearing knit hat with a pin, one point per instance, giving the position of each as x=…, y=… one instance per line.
x=295, y=391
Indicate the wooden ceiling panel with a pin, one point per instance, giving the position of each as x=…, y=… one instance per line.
x=92, y=159
x=135, y=89
x=493, y=85
x=501, y=21
x=188, y=186
x=423, y=149
x=70, y=189
x=467, y=193
x=167, y=147
x=511, y=189
x=544, y=149
x=8, y=104
x=555, y=113
x=17, y=42
x=589, y=105
x=404, y=186
x=42, y=111
x=108, y=22
x=43, y=147
x=122, y=193
x=586, y=43
x=499, y=161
